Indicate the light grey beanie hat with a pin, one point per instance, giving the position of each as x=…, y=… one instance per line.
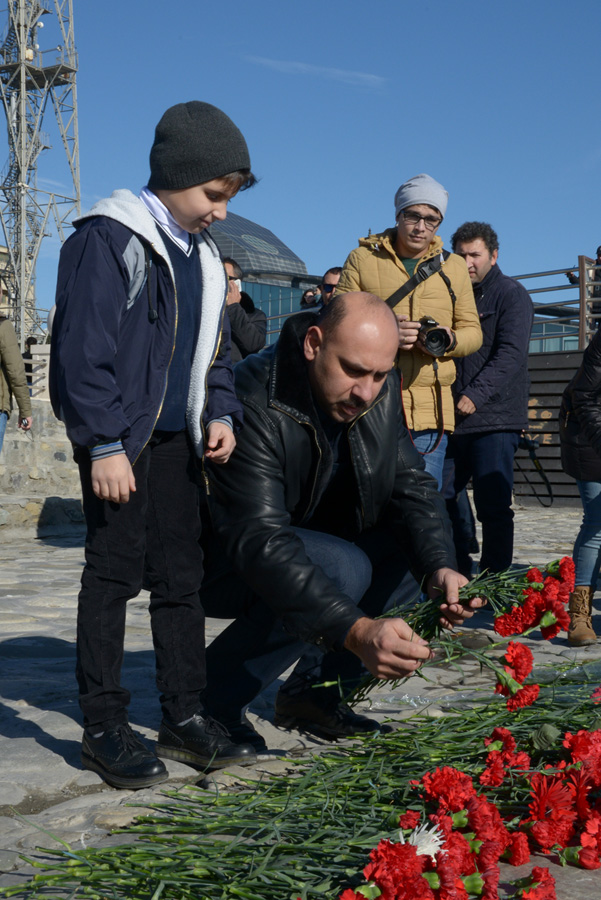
x=421, y=189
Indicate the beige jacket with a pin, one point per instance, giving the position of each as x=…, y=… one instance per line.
x=12, y=372
x=375, y=267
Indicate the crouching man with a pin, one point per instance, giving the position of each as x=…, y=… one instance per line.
x=317, y=512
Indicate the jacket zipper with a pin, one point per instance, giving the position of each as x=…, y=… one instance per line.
x=202, y=428
x=314, y=430
x=167, y=375
x=348, y=437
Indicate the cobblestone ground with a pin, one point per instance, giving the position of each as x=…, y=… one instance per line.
x=40, y=774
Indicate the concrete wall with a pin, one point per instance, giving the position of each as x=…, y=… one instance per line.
x=39, y=483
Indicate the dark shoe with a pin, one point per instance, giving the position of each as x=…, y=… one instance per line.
x=203, y=743
x=122, y=759
x=305, y=713
x=245, y=733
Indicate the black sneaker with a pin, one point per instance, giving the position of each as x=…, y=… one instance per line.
x=244, y=732
x=122, y=759
x=203, y=743
x=331, y=721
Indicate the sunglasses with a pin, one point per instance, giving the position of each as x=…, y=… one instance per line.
x=328, y=288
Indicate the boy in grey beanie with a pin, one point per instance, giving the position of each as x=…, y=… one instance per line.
x=141, y=377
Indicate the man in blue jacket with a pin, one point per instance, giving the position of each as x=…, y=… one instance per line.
x=491, y=396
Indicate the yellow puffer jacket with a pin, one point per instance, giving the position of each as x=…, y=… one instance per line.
x=375, y=267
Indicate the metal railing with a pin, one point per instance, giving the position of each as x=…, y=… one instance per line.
x=565, y=324
x=558, y=324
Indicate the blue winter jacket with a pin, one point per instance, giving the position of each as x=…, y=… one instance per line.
x=114, y=331
x=495, y=377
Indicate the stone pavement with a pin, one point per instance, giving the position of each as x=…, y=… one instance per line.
x=42, y=785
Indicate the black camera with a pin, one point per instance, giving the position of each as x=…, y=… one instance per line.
x=435, y=339
x=526, y=443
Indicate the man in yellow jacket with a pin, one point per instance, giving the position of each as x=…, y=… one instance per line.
x=381, y=265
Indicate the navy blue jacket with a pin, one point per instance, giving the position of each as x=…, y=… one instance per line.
x=109, y=362
x=495, y=377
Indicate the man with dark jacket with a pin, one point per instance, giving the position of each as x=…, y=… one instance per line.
x=247, y=323
x=320, y=504
x=491, y=395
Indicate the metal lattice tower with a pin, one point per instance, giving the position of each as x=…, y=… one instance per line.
x=29, y=78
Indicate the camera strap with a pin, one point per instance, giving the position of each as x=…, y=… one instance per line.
x=424, y=270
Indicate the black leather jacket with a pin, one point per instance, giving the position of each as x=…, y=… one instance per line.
x=279, y=470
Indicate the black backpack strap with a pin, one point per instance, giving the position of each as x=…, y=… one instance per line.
x=423, y=271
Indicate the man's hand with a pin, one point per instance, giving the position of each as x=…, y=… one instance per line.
x=388, y=648
x=220, y=442
x=25, y=422
x=113, y=478
x=444, y=584
x=465, y=406
x=233, y=292
x=408, y=332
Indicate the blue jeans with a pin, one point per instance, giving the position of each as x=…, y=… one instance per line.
x=255, y=649
x=487, y=458
x=587, y=548
x=433, y=459
x=3, y=421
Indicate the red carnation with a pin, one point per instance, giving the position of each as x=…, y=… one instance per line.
x=457, y=846
x=562, y=619
x=397, y=870
x=511, y=622
x=494, y=773
x=589, y=858
x=534, y=575
x=410, y=819
x=520, y=658
x=485, y=820
x=517, y=849
x=450, y=787
x=542, y=885
x=524, y=697
x=449, y=872
x=585, y=747
x=505, y=736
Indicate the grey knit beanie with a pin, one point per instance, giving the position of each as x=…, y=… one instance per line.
x=195, y=142
x=421, y=189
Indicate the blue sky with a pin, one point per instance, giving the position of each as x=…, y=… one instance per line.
x=340, y=102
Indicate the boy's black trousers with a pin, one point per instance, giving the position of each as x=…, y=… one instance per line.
x=151, y=541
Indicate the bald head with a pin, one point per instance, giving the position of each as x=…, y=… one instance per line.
x=349, y=352
x=365, y=306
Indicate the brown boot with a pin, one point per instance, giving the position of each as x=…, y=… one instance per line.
x=581, y=631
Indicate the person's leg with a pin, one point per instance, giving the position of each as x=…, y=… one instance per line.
x=174, y=574
x=456, y=475
x=432, y=447
x=492, y=456
x=3, y=421
x=114, y=553
x=587, y=547
x=255, y=649
x=587, y=560
x=112, y=575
